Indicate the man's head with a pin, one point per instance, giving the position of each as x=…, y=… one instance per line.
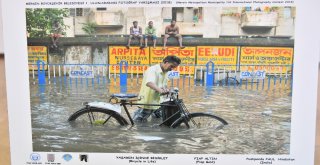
x=150, y=23
x=135, y=23
x=173, y=22
x=170, y=62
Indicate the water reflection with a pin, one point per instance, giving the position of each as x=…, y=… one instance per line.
x=259, y=121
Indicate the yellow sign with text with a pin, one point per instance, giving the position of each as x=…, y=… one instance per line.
x=269, y=59
x=187, y=56
x=225, y=56
x=36, y=53
x=138, y=59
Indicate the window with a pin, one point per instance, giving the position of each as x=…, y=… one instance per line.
x=78, y=12
x=188, y=14
x=72, y=12
x=101, y=8
x=197, y=14
x=177, y=14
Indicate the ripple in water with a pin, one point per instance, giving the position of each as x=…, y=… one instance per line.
x=250, y=130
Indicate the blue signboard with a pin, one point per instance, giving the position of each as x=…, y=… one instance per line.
x=253, y=75
x=173, y=75
x=81, y=73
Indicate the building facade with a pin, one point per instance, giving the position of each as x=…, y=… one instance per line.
x=203, y=22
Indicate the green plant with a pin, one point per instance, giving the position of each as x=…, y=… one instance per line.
x=231, y=14
x=89, y=28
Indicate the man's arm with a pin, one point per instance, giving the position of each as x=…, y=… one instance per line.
x=140, y=30
x=131, y=30
x=154, y=31
x=156, y=88
x=167, y=30
x=177, y=30
x=146, y=31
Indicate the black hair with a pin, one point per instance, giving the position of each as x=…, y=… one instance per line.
x=171, y=59
x=135, y=22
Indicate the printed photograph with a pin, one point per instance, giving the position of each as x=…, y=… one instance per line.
x=161, y=80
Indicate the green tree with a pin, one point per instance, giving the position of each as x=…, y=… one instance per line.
x=40, y=21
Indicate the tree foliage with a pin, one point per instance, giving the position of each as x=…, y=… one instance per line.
x=89, y=28
x=40, y=21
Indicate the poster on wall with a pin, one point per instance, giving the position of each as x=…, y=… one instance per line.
x=106, y=96
x=270, y=59
x=187, y=56
x=35, y=54
x=222, y=56
x=136, y=59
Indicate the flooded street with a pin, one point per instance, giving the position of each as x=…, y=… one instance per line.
x=259, y=121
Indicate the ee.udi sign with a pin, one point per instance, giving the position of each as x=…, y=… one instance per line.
x=225, y=56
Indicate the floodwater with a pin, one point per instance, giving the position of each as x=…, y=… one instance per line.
x=259, y=121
